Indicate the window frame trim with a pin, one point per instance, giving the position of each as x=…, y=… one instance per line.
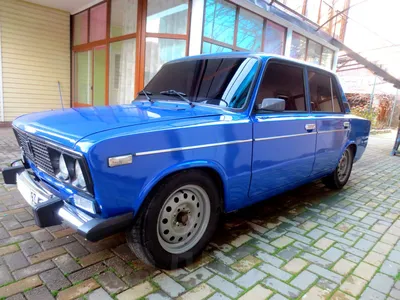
x=334, y=84
x=275, y=60
x=140, y=36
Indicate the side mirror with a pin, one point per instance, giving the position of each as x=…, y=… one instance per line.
x=272, y=104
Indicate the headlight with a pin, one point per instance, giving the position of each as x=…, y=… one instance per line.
x=79, y=178
x=63, y=170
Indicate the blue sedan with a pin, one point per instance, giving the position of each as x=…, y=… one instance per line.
x=208, y=135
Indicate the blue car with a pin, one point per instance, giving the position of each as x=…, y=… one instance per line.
x=209, y=134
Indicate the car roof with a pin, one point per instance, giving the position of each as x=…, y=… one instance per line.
x=260, y=55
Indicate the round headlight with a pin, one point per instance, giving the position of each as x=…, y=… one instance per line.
x=63, y=173
x=79, y=178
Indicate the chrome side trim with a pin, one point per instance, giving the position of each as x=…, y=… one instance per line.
x=335, y=130
x=283, y=136
x=191, y=147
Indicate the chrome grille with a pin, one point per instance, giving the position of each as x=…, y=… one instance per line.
x=35, y=150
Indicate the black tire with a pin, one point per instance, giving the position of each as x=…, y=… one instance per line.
x=143, y=237
x=337, y=180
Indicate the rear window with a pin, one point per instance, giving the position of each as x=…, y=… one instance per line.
x=224, y=82
x=323, y=93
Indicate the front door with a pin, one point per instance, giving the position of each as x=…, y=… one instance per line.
x=284, y=142
x=89, y=77
x=332, y=123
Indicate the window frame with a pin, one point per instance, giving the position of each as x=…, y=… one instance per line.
x=234, y=46
x=140, y=36
x=305, y=87
x=335, y=87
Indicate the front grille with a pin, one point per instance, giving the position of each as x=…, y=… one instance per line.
x=35, y=150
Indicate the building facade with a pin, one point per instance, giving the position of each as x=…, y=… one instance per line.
x=106, y=51
x=34, y=55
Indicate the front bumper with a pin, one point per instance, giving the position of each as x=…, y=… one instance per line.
x=50, y=210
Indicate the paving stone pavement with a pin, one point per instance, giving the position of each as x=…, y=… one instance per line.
x=310, y=243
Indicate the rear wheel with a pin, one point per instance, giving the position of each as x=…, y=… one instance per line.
x=338, y=178
x=178, y=221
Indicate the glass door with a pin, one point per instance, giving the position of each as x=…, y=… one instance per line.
x=99, y=75
x=89, y=77
x=82, y=95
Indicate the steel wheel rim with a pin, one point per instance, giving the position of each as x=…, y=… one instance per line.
x=183, y=219
x=344, y=166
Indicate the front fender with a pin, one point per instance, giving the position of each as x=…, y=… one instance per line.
x=148, y=187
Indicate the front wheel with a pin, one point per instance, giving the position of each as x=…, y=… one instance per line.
x=338, y=178
x=178, y=220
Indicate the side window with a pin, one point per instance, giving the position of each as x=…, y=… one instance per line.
x=323, y=95
x=284, y=82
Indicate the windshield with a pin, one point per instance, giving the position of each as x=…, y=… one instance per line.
x=217, y=81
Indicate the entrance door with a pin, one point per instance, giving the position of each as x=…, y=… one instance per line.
x=89, y=77
x=284, y=142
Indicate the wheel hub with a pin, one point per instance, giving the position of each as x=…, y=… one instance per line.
x=343, y=166
x=183, y=218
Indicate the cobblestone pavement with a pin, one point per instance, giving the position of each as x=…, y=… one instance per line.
x=310, y=243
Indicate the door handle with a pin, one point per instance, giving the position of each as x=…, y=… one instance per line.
x=346, y=125
x=309, y=127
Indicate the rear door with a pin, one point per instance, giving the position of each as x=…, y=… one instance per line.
x=332, y=123
x=284, y=142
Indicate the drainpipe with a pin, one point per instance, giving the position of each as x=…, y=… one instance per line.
x=372, y=95
x=394, y=107
x=1, y=85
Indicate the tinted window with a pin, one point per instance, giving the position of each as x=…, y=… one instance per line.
x=218, y=81
x=323, y=95
x=284, y=82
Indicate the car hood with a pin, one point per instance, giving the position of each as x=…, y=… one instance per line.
x=68, y=126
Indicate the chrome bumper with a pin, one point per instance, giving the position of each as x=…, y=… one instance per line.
x=50, y=210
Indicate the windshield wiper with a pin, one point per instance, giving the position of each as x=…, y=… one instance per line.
x=179, y=94
x=146, y=94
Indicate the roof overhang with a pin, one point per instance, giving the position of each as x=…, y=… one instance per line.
x=71, y=6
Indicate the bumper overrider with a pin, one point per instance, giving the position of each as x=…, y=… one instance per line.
x=49, y=210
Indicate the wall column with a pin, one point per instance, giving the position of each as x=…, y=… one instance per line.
x=335, y=60
x=1, y=85
x=196, y=27
x=288, y=42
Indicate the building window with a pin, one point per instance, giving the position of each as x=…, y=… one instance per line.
x=228, y=27
x=159, y=51
x=212, y=48
x=275, y=36
x=122, y=69
x=219, y=21
x=296, y=5
x=314, y=52
x=167, y=16
x=298, y=47
x=250, y=28
x=80, y=28
x=327, y=58
x=82, y=78
x=312, y=9
x=123, y=17
x=100, y=80
x=98, y=22
x=166, y=33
